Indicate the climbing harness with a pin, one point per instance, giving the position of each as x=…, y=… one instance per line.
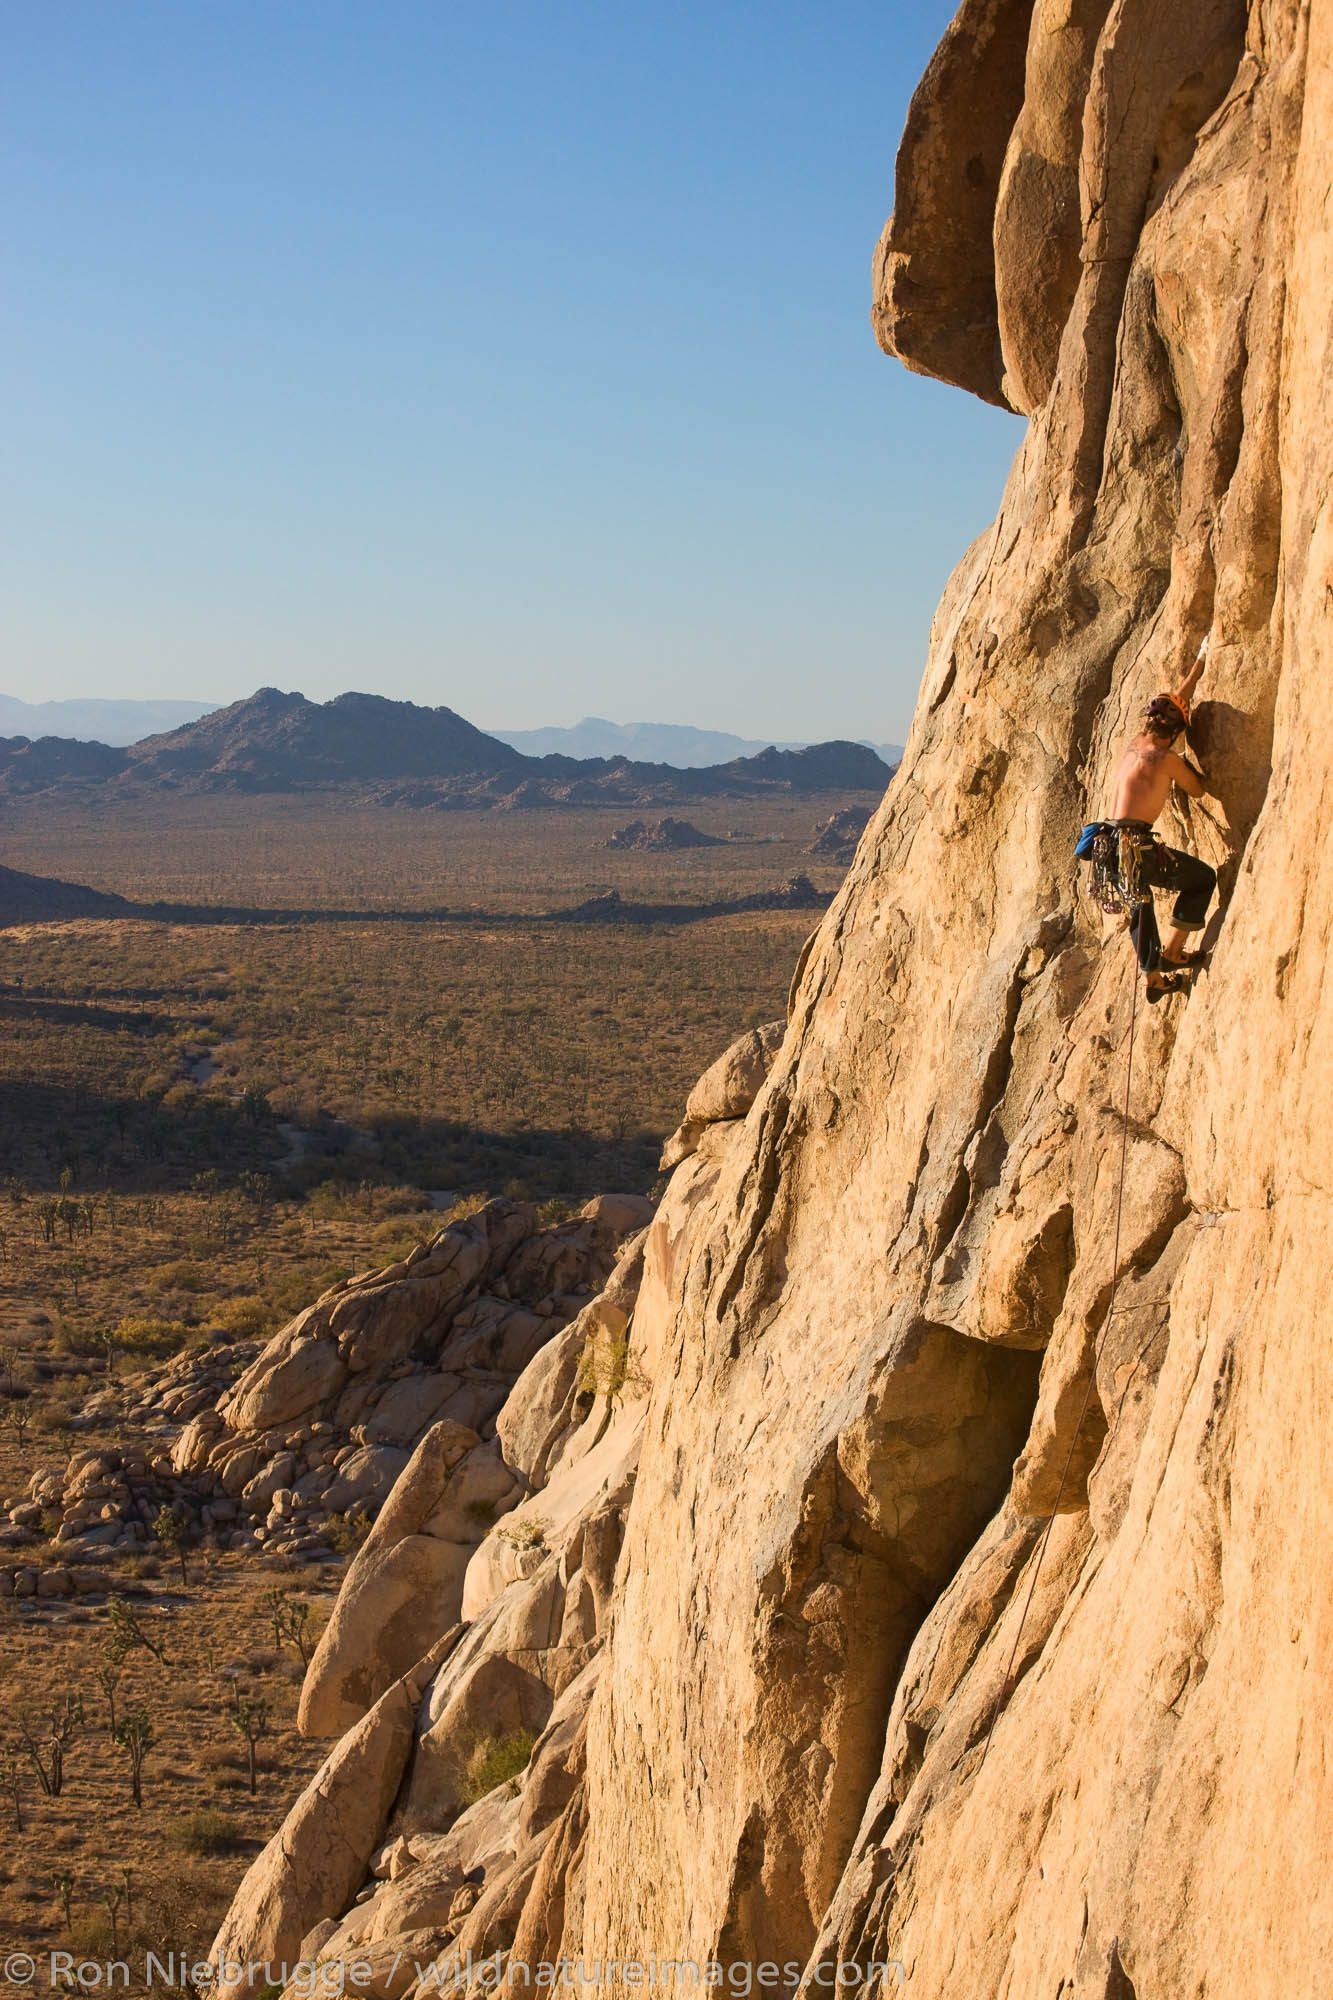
x=1117, y=878
x=1097, y=1351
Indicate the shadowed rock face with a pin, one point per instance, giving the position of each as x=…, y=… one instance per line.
x=787, y=1481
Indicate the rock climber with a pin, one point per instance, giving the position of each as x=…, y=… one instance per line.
x=1140, y=787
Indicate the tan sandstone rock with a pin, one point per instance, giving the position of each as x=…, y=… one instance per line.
x=403, y=1589
x=319, y=1856
x=727, y=1090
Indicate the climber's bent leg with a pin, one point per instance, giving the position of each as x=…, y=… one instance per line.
x=1194, y=882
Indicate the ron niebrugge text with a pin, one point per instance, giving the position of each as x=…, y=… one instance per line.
x=312, y=1980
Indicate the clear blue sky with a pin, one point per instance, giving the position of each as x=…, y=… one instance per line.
x=512, y=355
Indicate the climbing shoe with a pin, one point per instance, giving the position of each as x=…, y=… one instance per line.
x=1166, y=982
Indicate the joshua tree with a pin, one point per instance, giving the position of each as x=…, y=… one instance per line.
x=135, y=1737
x=63, y=1884
x=126, y=1634
x=249, y=1715
x=49, y=1759
x=171, y=1534
x=11, y=1777
x=108, y=1679
x=16, y=1421
x=259, y=1188
x=290, y=1617
x=112, y=1899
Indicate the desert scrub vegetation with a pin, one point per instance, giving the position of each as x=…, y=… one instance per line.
x=313, y=854
x=205, y=1832
x=207, y=1126
x=495, y=1760
x=606, y=1365
x=174, y=1696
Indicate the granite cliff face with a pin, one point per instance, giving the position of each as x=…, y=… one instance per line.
x=786, y=1481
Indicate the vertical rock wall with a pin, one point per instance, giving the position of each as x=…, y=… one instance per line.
x=923, y=1195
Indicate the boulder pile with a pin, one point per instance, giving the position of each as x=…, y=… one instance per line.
x=289, y=1448
x=168, y=1394
x=321, y=1423
x=836, y=838
x=662, y=836
x=461, y=1661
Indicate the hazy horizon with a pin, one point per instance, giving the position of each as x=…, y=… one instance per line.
x=125, y=720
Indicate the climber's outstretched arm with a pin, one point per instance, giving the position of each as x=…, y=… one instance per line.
x=1184, y=694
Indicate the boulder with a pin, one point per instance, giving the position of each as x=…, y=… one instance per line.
x=301, y=1375
x=537, y=1411
x=409, y=1407
x=559, y=1385
x=481, y=1843
x=1038, y=226
x=934, y=271
x=405, y=1583
x=726, y=1090
x=365, y=1478
x=491, y=1700
x=318, y=1858
x=620, y=1212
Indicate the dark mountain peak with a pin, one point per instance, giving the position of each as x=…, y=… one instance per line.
x=835, y=766
x=273, y=741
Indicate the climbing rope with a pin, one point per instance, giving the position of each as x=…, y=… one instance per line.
x=1087, y=1393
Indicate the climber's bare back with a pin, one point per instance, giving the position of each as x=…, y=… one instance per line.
x=1144, y=777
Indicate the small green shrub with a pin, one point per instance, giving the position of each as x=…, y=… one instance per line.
x=606, y=1365
x=346, y=1532
x=205, y=1832
x=245, y=1317
x=495, y=1760
x=181, y=1276
x=158, y=1338
x=529, y=1533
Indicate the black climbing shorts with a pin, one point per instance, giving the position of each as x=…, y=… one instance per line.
x=1166, y=867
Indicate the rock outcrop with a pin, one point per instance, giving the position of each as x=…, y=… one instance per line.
x=725, y=1091
x=663, y=836
x=285, y=1448
x=838, y=837
x=936, y=1613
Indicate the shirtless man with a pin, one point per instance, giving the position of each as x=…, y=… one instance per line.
x=1140, y=788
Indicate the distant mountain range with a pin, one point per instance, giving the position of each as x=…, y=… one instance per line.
x=121, y=723
x=655, y=743
x=396, y=753
x=114, y=722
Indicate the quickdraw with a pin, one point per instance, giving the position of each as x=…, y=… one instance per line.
x=1117, y=876
x=1135, y=851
